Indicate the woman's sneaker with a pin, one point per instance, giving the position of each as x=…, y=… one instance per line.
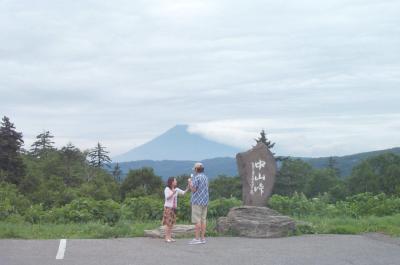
x=194, y=241
x=203, y=241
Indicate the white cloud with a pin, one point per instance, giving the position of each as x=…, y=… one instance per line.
x=122, y=72
x=305, y=136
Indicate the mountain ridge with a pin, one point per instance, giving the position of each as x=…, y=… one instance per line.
x=227, y=165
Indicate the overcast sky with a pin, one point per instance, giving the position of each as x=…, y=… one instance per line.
x=321, y=77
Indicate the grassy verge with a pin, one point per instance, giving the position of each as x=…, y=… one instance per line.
x=389, y=225
x=88, y=230
x=22, y=230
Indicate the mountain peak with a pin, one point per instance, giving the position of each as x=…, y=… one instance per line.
x=178, y=144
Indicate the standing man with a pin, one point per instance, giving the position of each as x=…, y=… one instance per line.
x=199, y=187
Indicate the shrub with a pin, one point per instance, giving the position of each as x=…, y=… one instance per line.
x=11, y=201
x=221, y=207
x=366, y=204
x=184, y=209
x=363, y=204
x=142, y=208
x=78, y=211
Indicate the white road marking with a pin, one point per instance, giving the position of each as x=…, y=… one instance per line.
x=61, y=249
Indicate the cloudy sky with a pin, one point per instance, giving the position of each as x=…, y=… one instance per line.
x=321, y=77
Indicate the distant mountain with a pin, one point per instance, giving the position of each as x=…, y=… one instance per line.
x=346, y=163
x=178, y=144
x=227, y=165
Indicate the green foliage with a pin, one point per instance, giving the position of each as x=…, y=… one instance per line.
x=73, y=164
x=51, y=193
x=321, y=181
x=364, y=204
x=377, y=174
x=101, y=187
x=11, y=201
x=98, y=156
x=299, y=205
x=42, y=145
x=293, y=176
x=37, y=214
x=141, y=182
x=348, y=225
x=142, y=208
x=184, y=209
x=333, y=165
x=221, y=207
x=12, y=168
x=117, y=173
x=225, y=187
x=182, y=180
x=84, y=210
x=263, y=139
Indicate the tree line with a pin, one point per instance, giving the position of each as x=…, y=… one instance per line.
x=379, y=174
x=54, y=177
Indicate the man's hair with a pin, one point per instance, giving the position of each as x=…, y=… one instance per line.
x=199, y=169
x=169, y=182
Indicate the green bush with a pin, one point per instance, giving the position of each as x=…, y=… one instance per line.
x=184, y=209
x=11, y=201
x=78, y=211
x=85, y=210
x=221, y=207
x=151, y=208
x=142, y=208
x=36, y=214
x=367, y=204
x=363, y=204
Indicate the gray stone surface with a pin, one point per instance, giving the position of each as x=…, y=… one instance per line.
x=257, y=169
x=297, y=250
x=177, y=231
x=257, y=222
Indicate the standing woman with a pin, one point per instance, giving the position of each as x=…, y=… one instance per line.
x=171, y=193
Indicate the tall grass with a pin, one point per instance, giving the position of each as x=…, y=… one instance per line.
x=74, y=230
x=389, y=225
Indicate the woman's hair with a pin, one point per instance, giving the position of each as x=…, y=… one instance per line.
x=170, y=181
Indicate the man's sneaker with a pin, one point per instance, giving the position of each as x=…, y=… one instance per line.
x=203, y=241
x=194, y=241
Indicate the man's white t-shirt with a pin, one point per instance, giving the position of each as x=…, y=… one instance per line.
x=173, y=201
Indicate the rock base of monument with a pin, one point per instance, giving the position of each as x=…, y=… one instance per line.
x=177, y=231
x=257, y=222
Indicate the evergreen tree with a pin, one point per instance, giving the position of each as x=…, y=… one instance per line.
x=333, y=165
x=73, y=164
x=263, y=139
x=98, y=157
x=293, y=176
x=12, y=168
x=117, y=173
x=42, y=145
x=376, y=174
x=321, y=181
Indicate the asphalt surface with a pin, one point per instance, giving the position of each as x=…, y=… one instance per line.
x=371, y=249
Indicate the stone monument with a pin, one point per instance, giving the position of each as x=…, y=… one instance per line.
x=257, y=169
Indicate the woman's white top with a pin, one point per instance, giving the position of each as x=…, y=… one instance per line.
x=173, y=201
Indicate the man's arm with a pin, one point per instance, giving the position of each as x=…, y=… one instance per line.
x=192, y=187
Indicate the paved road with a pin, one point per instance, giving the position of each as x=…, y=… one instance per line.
x=308, y=250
